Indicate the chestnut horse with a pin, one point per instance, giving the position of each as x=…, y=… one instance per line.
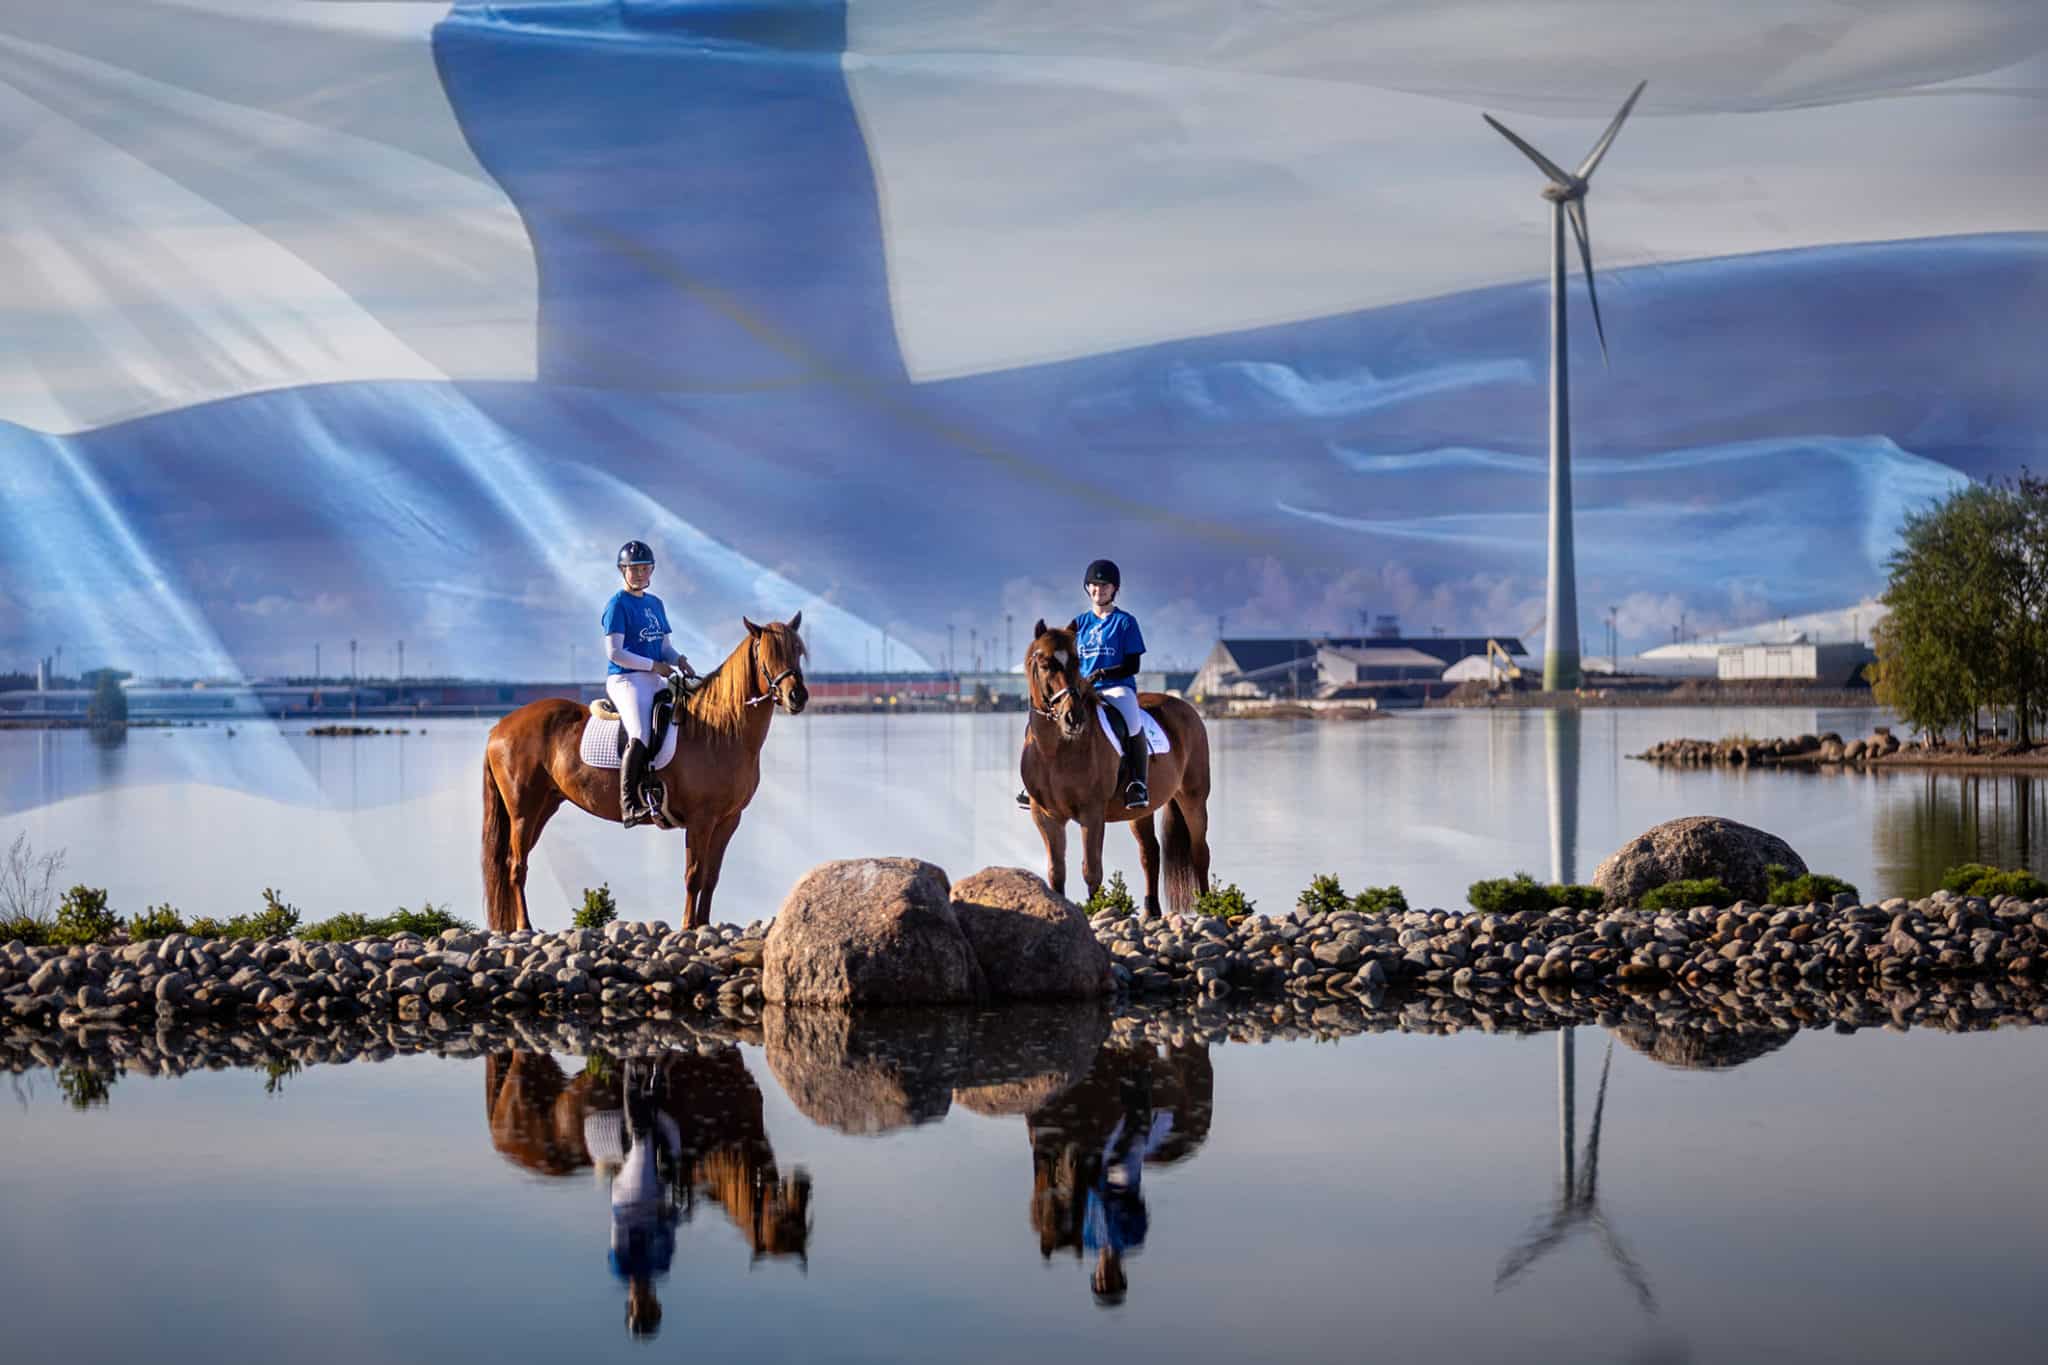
x=532, y=764
x=1070, y=771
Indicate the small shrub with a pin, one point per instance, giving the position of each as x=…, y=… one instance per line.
x=1685, y=894
x=1380, y=900
x=85, y=1087
x=206, y=926
x=1324, y=895
x=83, y=917
x=278, y=1070
x=33, y=932
x=1809, y=888
x=1523, y=894
x=1112, y=897
x=276, y=919
x=159, y=921
x=1223, y=902
x=430, y=919
x=598, y=908
x=1981, y=879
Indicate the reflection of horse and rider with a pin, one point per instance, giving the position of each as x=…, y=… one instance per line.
x=1090, y=1145
x=667, y=748
x=665, y=1132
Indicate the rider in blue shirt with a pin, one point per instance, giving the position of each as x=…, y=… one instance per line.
x=1110, y=645
x=636, y=642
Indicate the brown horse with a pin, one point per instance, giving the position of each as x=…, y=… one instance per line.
x=532, y=765
x=1070, y=771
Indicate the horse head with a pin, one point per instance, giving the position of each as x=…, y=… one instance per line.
x=1052, y=673
x=778, y=657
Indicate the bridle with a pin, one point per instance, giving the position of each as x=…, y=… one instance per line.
x=774, y=689
x=1066, y=690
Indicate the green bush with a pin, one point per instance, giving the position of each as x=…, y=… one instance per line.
x=85, y=1087
x=1691, y=891
x=159, y=921
x=1380, y=900
x=30, y=931
x=1324, y=895
x=425, y=922
x=598, y=908
x=1523, y=894
x=1809, y=888
x=206, y=926
x=83, y=917
x=1223, y=902
x=1981, y=879
x=1112, y=897
x=275, y=920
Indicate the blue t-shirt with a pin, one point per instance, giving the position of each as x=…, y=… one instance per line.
x=641, y=620
x=1106, y=641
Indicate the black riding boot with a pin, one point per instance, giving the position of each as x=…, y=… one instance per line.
x=1137, y=761
x=633, y=785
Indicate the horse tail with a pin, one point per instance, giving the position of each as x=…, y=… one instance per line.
x=1183, y=882
x=499, y=904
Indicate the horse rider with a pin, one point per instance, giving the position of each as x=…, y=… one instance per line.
x=1110, y=646
x=637, y=644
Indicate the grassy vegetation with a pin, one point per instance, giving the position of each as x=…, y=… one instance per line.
x=1981, y=879
x=1691, y=891
x=1112, y=897
x=1811, y=888
x=430, y=919
x=1523, y=894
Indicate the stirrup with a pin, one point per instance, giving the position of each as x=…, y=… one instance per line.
x=1023, y=800
x=1137, y=795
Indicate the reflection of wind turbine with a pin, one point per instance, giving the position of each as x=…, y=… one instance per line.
x=1578, y=1196
x=1567, y=195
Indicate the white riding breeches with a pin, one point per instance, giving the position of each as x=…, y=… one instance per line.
x=1124, y=698
x=633, y=693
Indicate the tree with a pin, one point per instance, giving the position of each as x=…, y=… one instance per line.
x=1968, y=610
x=108, y=709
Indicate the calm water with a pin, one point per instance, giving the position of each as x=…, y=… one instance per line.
x=1431, y=801
x=1393, y=1196
x=797, y=1195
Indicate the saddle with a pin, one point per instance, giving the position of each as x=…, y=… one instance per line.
x=604, y=734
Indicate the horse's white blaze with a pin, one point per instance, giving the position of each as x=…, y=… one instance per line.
x=1061, y=656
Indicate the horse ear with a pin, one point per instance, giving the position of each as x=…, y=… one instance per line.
x=796, y=622
x=1038, y=629
x=752, y=629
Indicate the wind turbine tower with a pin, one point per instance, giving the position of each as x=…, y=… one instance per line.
x=1567, y=195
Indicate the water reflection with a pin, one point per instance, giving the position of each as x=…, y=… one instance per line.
x=667, y=1133
x=1936, y=820
x=1138, y=1106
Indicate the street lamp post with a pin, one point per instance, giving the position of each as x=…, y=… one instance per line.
x=352, y=679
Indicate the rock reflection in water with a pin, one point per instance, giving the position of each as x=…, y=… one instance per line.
x=873, y=1071
x=667, y=1132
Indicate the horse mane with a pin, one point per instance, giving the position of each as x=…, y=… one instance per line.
x=718, y=709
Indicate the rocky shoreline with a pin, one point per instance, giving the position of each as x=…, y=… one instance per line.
x=646, y=970
x=1830, y=750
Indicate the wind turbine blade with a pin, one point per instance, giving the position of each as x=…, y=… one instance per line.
x=1607, y=138
x=1577, y=209
x=1543, y=163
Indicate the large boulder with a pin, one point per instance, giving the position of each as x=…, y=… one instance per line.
x=869, y=931
x=1031, y=942
x=1696, y=846
x=1022, y=1057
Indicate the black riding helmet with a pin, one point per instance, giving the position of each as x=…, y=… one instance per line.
x=636, y=552
x=1103, y=571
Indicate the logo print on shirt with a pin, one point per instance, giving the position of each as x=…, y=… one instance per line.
x=652, y=631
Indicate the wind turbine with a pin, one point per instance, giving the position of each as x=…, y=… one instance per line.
x=1567, y=195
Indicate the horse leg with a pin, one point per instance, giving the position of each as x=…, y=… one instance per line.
x=1195, y=810
x=1091, y=856
x=714, y=859
x=697, y=841
x=527, y=822
x=1148, y=858
x=1053, y=830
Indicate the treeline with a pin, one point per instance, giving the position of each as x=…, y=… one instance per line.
x=1967, y=627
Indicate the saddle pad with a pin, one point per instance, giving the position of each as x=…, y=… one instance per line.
x=605, y=740
x=1155, y=733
